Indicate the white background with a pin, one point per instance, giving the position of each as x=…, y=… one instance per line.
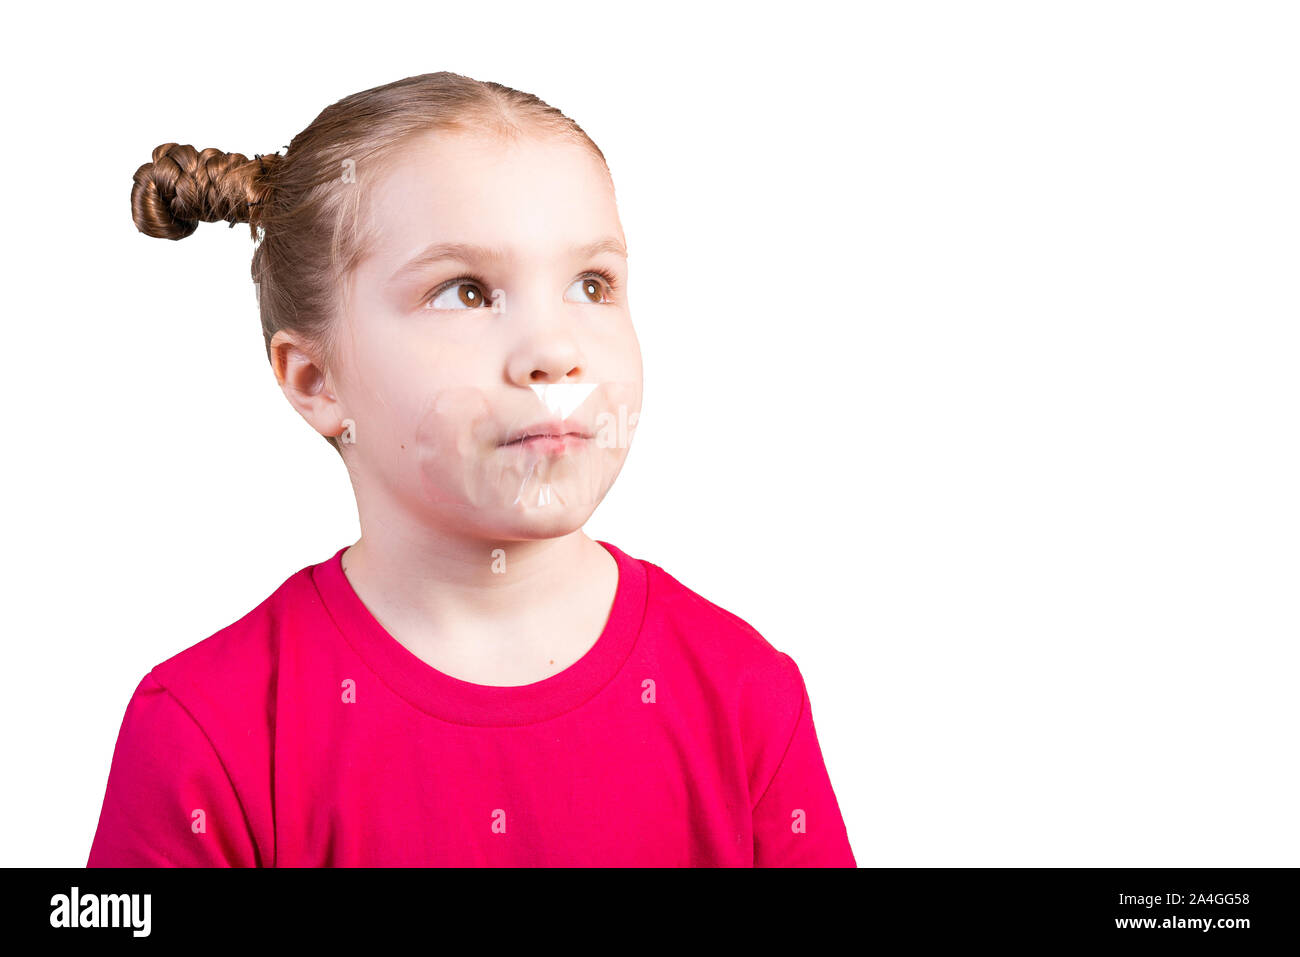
x=970, y=338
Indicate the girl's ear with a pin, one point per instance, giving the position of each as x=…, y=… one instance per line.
x=305, y=383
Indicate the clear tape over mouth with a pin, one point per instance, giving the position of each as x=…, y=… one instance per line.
x=578, y=435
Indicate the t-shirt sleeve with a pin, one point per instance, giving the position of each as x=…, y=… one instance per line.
x=169, y=801
x=797, y=820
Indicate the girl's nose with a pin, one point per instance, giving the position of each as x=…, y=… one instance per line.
x=546, y=350
x=540, y=376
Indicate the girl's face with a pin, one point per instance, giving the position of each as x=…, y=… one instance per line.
x=493, y=306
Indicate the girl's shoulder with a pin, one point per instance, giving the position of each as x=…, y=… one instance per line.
x=728, y=642
x=232, y=671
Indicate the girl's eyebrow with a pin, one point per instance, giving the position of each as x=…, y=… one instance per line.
x=468, y=252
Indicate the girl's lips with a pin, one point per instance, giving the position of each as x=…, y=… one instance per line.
x=547, y=429
x=549, y=444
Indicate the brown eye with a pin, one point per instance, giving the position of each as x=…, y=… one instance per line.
x=590, y=289
x=459, y=295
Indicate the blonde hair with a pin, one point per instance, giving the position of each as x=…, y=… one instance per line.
x=309, y=211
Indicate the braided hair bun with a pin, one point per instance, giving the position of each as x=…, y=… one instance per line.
x=182, y=187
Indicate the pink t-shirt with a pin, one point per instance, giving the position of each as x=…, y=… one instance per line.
x=304, y=734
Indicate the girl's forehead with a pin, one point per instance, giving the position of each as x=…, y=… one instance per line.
x=484, y=191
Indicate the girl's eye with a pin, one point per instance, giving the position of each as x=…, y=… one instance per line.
x=593, y=288
x=461, y=294
x=467, y=292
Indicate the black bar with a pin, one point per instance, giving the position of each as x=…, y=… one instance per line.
x=976, y=905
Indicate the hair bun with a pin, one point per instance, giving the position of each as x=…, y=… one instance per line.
x=182, y=187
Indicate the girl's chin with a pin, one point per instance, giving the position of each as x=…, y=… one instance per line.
x=518, y=520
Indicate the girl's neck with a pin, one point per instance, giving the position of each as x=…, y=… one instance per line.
x=492, y=613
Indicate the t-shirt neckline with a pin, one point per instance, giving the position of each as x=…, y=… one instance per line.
x=464, y=702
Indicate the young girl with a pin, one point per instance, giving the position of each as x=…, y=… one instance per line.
x=442, y=281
